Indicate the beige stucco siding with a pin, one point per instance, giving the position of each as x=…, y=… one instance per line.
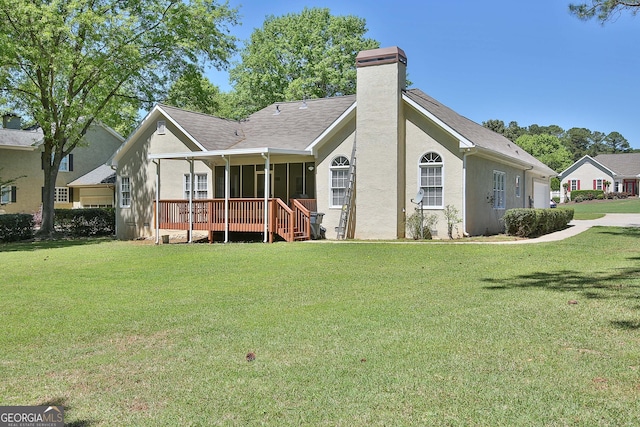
x=424, y=136
x=481, y=217
x=341, y=144
x=137, y=219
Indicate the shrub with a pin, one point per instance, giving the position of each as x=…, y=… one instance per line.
x=417, y=227
x=85, y=222
x=14, y=227
x=536, y=222
x=587, y=194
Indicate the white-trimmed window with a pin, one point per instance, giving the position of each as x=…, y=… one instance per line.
x=5, y=194
x=431, y=181
x=518, y=186
x=64, y=164
x=61, y=195
x=339, y=180
x=499, y=189
x=125, y=192
x=574, y=184
x=201, y=190
x=598, y=184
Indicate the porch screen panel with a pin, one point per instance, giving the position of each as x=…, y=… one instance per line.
x=235, y=181
x=219, y=182
x=248, y=187
x=280, y=181
x=310, y=180
x=295, y=180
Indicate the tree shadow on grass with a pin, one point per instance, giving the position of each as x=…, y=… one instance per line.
x=34, y=245
x=62, y=401
x=613, y=284
x=621, y=231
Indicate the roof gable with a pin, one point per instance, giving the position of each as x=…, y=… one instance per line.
x=471, y=134
x=581, y=162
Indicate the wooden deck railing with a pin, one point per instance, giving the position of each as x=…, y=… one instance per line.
x=245, y=215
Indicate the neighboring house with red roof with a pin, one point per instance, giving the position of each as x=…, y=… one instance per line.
x=83, y=179
x=621, y=171
x=265, y=173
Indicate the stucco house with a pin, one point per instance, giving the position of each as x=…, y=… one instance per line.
x=621, y=171
x=84, y=180
x=361, y=160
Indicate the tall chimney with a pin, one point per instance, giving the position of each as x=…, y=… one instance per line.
x=11, y=121
x=380, y=151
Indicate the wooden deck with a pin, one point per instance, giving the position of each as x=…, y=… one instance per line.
x=291, y=222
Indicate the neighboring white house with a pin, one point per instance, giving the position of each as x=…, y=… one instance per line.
x=405, y=142
x=621, y=171
x=82, y=180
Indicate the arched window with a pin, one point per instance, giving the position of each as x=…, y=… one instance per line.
x=430, y=169
x=339, y=180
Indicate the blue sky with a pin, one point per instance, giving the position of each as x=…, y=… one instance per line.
x=528, y=61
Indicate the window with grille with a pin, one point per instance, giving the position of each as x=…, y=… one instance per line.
x=201, y=190
x=431, y=181
x=339, y=180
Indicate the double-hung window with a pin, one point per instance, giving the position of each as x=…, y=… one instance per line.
x=5, y=194
x=339, y=180
x=499, y=189
x=201, y=190
x=431, y=182
x=125, y=192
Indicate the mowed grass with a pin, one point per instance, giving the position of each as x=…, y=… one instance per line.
x=598, y=208
x=350, y=334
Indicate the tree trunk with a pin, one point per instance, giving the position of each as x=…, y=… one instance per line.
x=48, y=193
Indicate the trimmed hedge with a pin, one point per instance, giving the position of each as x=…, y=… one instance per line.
x=85, y=222
x=536, y=222
x=580, y=195
x=14, y=227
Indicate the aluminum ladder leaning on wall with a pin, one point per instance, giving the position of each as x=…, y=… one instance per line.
x=347, y=205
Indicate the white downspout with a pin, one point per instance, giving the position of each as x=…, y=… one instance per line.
x=227, y=191
x=465, y=233
x=157, y=201
x=266, y=197
x=191, y=187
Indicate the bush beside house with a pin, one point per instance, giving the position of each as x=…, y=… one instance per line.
x=536, y=222
x=14, y=227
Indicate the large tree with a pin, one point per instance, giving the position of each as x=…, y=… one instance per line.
x=309, y=54
x=69, y=63
x=548, y=149
x=604, y=10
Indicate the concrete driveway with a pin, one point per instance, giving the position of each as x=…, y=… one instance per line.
x=578, y=226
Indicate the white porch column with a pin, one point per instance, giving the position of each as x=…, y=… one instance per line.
x=267, y=190
x=191, y=187
x=157, y=201
x=227, y=192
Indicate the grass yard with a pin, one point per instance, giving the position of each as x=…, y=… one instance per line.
x=344, y=334
x=594, y=209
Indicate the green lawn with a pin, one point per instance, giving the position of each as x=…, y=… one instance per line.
x=350, y=334
x=597, y=208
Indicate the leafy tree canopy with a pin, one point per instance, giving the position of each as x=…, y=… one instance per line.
x=548, y=149
x=603, y=10
x=300, y=55
x=68, y=63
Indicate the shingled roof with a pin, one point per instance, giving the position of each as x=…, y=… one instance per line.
x=622, y=164
x=475, y=133
x=288, y=125
x=20, y=139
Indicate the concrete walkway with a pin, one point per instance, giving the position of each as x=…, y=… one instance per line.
x=578, y=226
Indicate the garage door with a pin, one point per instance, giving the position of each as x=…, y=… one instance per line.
x=541, y=194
